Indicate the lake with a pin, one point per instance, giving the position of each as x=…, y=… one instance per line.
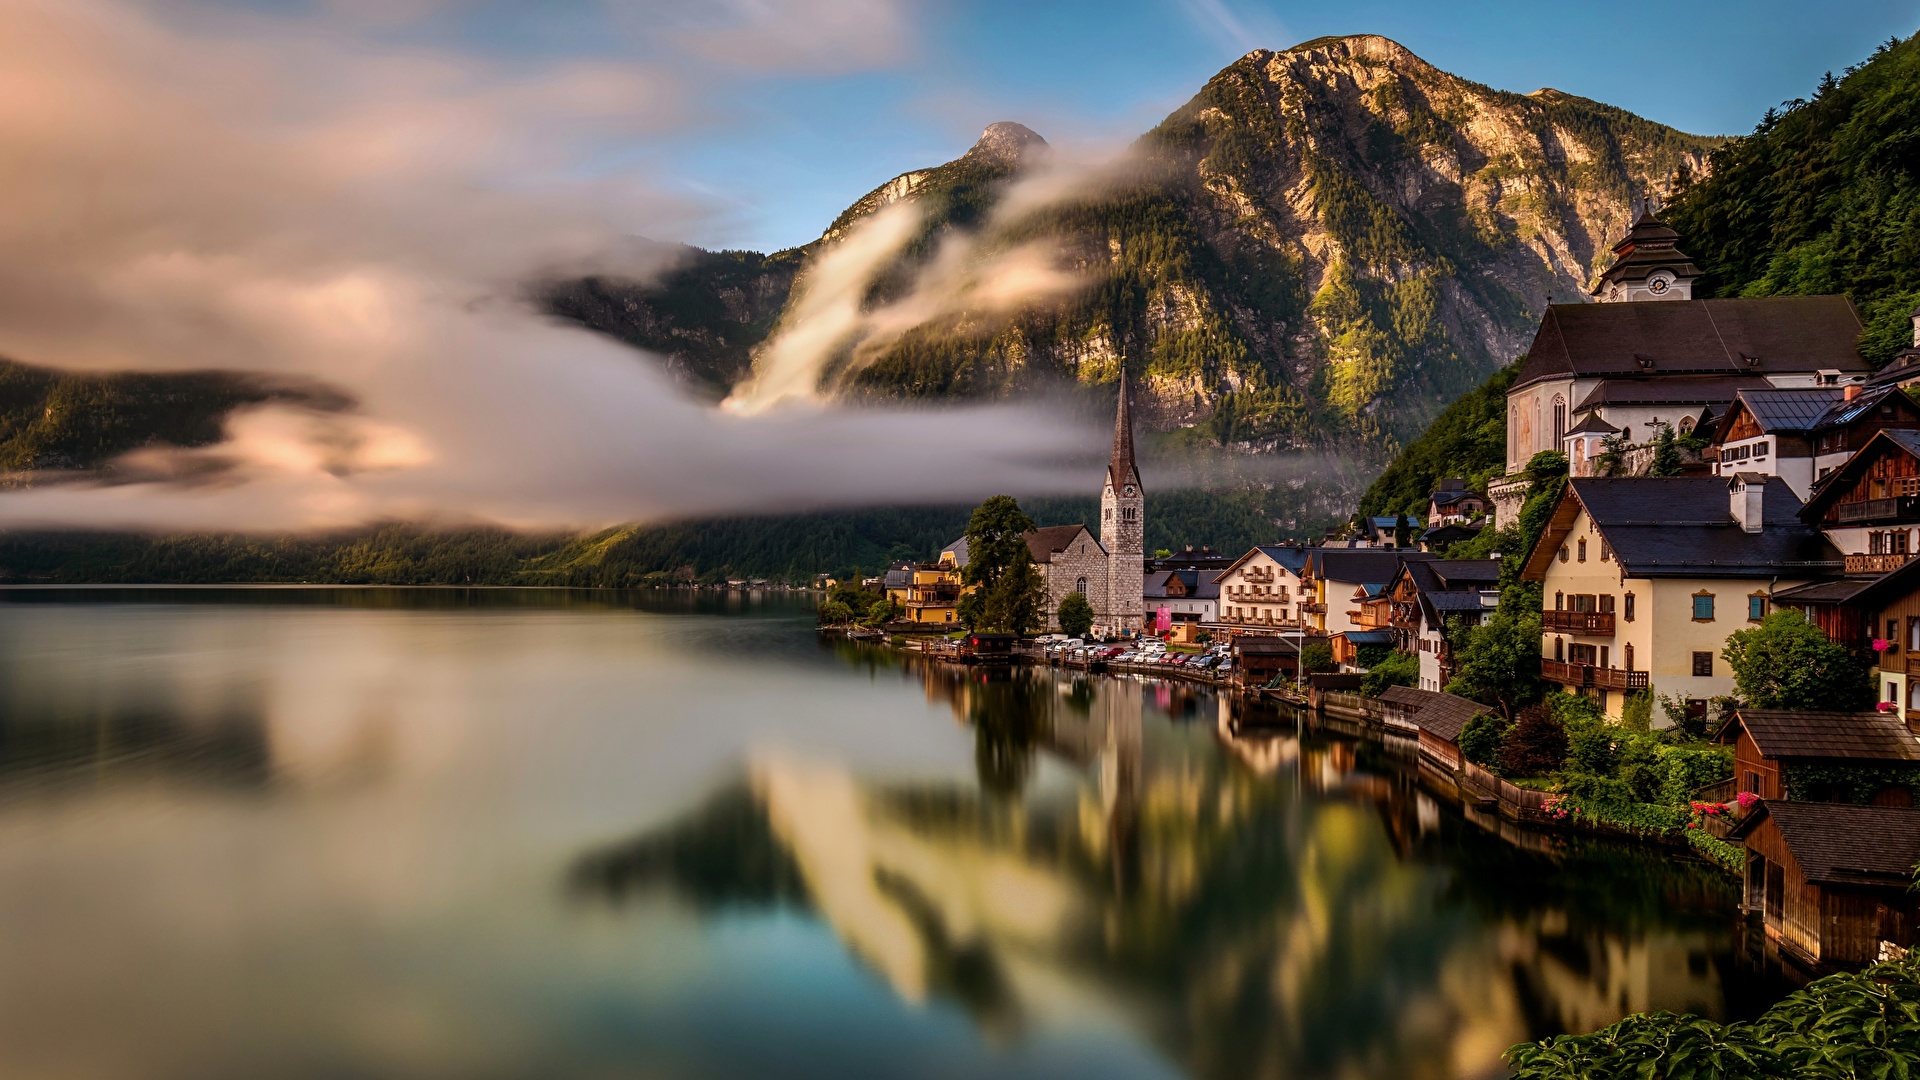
x=529, y=833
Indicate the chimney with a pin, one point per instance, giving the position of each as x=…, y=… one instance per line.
x=1852, y=391
x=1748, y=494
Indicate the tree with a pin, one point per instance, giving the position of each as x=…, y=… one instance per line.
x=881, y=611
x=834, y=613
x=1498, y=662
x=1316, y=658
x=1076, y=615
x=1666, y=453
x=1536, y=746
x=1399, y=669
x=1788, y=663
x=1481, y=739
x=1402, y=531
x=1010, y=596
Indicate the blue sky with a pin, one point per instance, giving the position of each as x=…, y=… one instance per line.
x=788, y=110
x=790, y=152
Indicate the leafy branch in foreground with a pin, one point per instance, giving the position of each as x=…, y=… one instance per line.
x=1864, y=1024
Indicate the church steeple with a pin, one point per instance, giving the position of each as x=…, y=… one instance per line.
x=1647, y=265
x=1122, y=471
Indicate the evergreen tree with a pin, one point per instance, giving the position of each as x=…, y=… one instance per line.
x=1076, y=615
x=1498, y=662
x=1666, y=453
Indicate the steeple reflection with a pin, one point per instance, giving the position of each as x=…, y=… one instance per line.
x=1253, y=896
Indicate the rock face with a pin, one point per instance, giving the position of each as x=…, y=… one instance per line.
x=1322, y=247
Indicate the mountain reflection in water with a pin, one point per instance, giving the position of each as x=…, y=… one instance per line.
x=1295, y=906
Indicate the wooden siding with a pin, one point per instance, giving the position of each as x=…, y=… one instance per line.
x=1748, y=761
x=1826, y=925
x=1877, y=480
x=1792, y=907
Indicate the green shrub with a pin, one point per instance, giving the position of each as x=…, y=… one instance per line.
x=1636, y=713
x=1316, y=658
x=1690, y=768
x=1590, y=749
x=1075, y=615
x=1480, y=741
x=1399, y=669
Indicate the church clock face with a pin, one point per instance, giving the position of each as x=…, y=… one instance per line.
x=1659, y=283
x=1130, y=490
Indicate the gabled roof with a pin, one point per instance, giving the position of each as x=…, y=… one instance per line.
x=1049, y=540
x=1367, y=637
x=1769, y=335
x=1591, y=424
x=1361, y=564
x=1445, y=586
x=1785, y=412
x=1682, y=526
x=1828, y=491
x=1291, y=558
x=1844, y=845
x=1265, y=645
x=1846, y=412
x=1863, y=736
x=1443, y=715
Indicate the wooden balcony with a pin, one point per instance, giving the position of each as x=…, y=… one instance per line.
x=1899, y=508
x=1590, y=623
x=1912, y=663
x=1581, y=675
x=1877, y=564
x=1314, y=609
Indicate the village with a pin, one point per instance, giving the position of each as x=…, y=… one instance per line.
x=1687, y=612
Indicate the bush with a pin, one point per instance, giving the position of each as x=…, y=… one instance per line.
x=1591, y=750
x=835, y=613
x=1537, y=745
x=1317, y=658
x=1690, y=768
x=1636, y=713
x=1481, y=740
x=1400, y=669
x=1788, y=663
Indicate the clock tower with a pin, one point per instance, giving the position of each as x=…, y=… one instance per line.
x=1123, y=525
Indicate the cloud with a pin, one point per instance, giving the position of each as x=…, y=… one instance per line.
x=366, y=217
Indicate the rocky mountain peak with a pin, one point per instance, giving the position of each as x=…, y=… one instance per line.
x=1005, y=143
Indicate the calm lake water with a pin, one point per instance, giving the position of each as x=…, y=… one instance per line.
x=418, y=833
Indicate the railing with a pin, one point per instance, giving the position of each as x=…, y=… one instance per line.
x=1717, y=792
x=1877, y=564
x=1896, y=508
x=1314, y=609
x=1600, y=678
x=1913, y=663
x=1592, y=623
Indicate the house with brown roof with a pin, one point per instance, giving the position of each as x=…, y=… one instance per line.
x=1426, y=597
x=1769, y=744
x=1643, y=578
x=1832, y=881
x=1872, y=605
x=1435, y=719
x=1870, y=506
x=1803, y=435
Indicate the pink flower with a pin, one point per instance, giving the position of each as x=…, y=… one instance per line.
x=1746, y=799
x=1881, y=644
x=1693, y=824
x=1885, y=706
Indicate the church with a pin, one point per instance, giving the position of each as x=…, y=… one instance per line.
x=1110, y=569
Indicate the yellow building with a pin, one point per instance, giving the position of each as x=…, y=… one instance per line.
x=1643, y=578
x=927, y=592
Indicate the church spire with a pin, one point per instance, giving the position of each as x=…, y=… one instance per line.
x=1122, y=470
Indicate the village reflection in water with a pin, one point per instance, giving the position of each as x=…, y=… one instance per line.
x=1251, y=894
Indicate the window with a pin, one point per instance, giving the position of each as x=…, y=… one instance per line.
x=1606, y=603
x=1629, y=607
x=1559, y=420
x=1606, y=550
x=1559, y=601
x=1703, y=607
x=1913, y=633
x=1583, y=654
x=1563, y=553
x=1583, y=549
x=1560, y=650
x=1703, y=664
x=1080, y=586
x=1756, y=607
x=1629, y=655
x=1750, y=781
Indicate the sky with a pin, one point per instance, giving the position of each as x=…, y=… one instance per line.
x=778, y=149
x=355, y=193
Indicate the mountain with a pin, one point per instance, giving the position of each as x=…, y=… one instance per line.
x=1320, y=248
x=1823, y=197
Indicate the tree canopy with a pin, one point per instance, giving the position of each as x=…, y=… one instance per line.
x=1788, y=663
x=1009, y=595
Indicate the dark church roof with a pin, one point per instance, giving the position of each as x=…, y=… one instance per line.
x=1737, y=336
x=1648, y=246
x=1049, y=540
x=1679, y=390
x=1122, y=469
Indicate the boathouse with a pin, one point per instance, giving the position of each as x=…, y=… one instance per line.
x=1434, y=718
x=1832, y=881
x=1260, y=658
x=1768, y=743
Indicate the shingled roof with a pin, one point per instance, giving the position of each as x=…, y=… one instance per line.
x=1844, y=845
x=1779, y=412
x=1769, y=335
x=1861, y=736
x=1049, y=540
x=1360, y=565
x=1443, y=715
x=1682, y=526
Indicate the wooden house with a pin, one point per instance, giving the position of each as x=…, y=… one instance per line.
x=1435, y=719
x=1258, y=659
x=1832, y=881
x=1862, y=610
x=1767, y=742
x=1870, y=506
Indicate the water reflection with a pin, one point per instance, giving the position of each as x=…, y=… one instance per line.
x=1296, y=906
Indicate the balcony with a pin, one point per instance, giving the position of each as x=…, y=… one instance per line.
x=1590, y=623
x=1912, y=664
x=1314, y=609
x=1581, y=675
x=1900, y=508
x=1876, y=564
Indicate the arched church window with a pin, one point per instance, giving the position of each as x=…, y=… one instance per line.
x=1686, y=424
x=1559, y=420
x=1080, y=586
